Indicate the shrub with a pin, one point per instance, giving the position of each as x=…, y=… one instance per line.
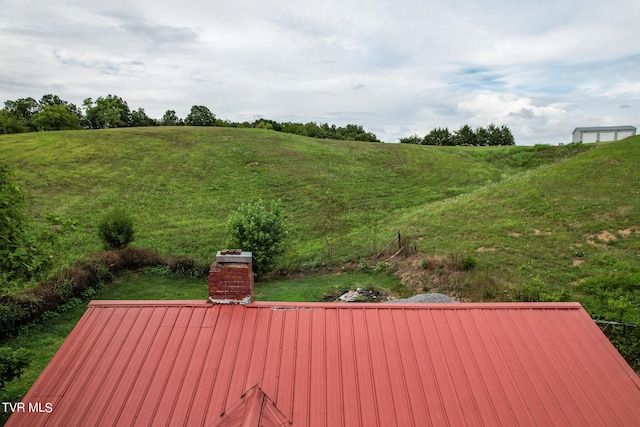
x=12, y=362
x=469, y=263
x=186, y=267
x=381, y=266
x=263, y=232
x=116, y=229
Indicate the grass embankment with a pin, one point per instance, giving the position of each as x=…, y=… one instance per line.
x=181, y=184
x=567, y=230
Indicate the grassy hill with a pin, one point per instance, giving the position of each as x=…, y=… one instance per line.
x=181, y=184
x=537, y=222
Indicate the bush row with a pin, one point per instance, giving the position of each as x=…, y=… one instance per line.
x=80, y=278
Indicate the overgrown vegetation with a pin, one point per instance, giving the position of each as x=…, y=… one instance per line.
x=12, y=362
x=21, y=254
x=81, y=280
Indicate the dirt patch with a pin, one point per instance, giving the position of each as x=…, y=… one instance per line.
x=541, y=233
x=577, y=262
x=515, y=234
x=606, y=237
x=419, y=272
x=628, y=231
x=590, y=238
x=625, y=233
x=483, y=249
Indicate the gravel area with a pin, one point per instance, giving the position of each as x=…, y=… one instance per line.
x=424, y=298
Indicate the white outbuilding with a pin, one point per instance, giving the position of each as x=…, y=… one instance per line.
x=602, y=133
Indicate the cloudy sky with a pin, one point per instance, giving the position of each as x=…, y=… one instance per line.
x=396, y=67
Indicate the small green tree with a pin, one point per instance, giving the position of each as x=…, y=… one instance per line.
x=262, y=231
x=116, y=229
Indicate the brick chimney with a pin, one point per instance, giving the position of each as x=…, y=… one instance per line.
x=231, y=278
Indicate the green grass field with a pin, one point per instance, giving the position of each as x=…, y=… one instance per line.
x=565, y=218
x=181, y=184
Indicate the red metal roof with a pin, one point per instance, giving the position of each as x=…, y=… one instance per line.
x=191, y=363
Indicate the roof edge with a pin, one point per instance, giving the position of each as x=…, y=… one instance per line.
x=282, y=305
x=164, y=303
x=442, y=306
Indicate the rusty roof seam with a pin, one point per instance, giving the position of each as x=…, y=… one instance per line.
x=414, y=360
x=279, y=358
x=532, y=368
x=137, y=374
x=95, y=364
x=384, y=351
x=86, y=322
x=425, y=344
x=494, y=373
x=474, y=362
x=295, y=364
x=446, y=367
x=371, y=373
x=266, y=347
x=309, y=364
x=572, y=365
x=546, y=364
x=340, y=367
x=161, y=355
x=218, y=352
x=199, y=377
x=234, y=360
x=108, y=399
x=396, y=350
x=464, y=368
x=525, y=402
x=356, y=368
x=251, y=344
x=189, y=358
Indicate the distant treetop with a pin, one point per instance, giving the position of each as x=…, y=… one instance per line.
x=491, y=135
x=112, y=111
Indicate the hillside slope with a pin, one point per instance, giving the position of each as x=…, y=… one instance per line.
x=181, y=184
x=567, y=230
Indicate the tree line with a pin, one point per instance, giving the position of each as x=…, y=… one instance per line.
x=491, y=135
x=111, y=111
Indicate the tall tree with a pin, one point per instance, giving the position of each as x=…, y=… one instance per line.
x=465, y=136
x=55, y=117
x=107, y=112
x=506, y=137
x=438, y=136
x=139, y=119
x=413, y=139
x=171, y=119
x=200, y=116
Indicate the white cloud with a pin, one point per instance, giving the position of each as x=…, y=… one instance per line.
x=397, y=67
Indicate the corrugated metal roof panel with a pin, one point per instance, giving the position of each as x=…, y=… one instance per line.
x=190, y=363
